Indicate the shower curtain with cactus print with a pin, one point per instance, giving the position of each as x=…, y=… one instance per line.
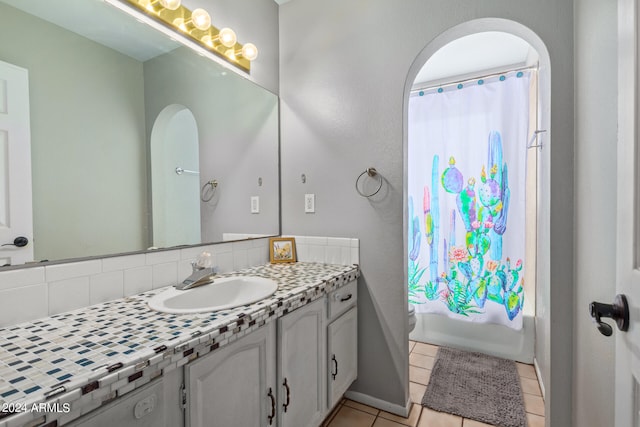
x=466, y=215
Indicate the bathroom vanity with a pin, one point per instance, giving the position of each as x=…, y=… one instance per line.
x=285, y=360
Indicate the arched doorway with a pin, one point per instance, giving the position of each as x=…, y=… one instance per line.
x=175, y=181
x=538, y=323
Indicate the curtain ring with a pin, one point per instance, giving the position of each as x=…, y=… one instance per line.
x=371, y=172
x=214, y=186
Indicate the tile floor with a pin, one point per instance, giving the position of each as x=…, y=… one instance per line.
x=421, y=357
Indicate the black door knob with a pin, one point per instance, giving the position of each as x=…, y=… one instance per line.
x=618, y=311
x=19, y=242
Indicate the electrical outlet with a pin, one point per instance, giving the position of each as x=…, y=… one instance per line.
x=309, y=203
x=255, y=204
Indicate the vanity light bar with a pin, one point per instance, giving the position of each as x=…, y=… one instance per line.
x=196, y=26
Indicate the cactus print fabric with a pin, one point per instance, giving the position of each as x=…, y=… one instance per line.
x=466, y=213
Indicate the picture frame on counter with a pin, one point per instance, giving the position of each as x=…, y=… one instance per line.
x=282, y=249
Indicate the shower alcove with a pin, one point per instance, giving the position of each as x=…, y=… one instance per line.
x=476, y=122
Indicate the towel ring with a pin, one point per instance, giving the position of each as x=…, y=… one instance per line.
x=371, y=172
x=214, y=186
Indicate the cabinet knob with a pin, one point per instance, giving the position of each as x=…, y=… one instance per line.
x=273, y=406
x=286, y=404
x=335, y=363
x=341, y=298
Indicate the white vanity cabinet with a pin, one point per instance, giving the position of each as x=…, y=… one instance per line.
x=342, y=342
x=235, y=385
x=301, y=366
x=282, y=373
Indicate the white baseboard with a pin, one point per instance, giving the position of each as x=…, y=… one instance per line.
x=539, y=375
x=383, y=405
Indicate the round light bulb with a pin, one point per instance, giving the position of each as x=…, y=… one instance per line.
x=250, y=51
x=201, y=19
x=227, y=37
x=170, y=4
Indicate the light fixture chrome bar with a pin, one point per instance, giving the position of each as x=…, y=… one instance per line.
x=167, y=21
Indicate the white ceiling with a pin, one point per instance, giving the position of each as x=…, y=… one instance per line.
x=472, y=55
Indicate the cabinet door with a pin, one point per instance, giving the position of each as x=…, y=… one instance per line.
x=301, y=362
x=235, y=385
x=342, y=354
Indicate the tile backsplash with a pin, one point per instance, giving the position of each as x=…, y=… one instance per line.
x=327, y=250
x=35, y=292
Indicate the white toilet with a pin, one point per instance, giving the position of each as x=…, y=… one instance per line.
x=412, y=317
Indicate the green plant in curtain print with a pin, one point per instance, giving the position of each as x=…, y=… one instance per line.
x=473, y=272
x=415, y=271
x=431, y=287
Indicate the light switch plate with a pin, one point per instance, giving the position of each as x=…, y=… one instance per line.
x=255, y=204
x=309, y=203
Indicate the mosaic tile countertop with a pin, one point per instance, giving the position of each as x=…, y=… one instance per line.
x=87, y=357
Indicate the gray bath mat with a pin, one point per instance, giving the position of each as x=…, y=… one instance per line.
x=476, y=386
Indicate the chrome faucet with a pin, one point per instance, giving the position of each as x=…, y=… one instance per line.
x=201, y=274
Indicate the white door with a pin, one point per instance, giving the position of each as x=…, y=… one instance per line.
x=16, y=218
x=627, y=390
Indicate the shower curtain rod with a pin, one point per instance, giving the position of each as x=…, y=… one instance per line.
x=469, y=79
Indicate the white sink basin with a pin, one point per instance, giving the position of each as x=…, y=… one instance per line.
x=223, y=293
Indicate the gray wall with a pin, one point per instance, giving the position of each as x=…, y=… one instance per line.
x=595, y=222
x=238, y=134
x=87, y=121
x=343, y=71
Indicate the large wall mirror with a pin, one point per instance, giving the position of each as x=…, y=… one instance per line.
x=136, y=140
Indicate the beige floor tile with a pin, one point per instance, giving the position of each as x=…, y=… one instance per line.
x=421, y=361
x=411, y=345
x=534, y=404
x=431, y=418
x=416, y=391
x=362, y=407
x=527, y=371
x=426, y=349
x=419, y=375
x=350, y=417
x=332, y=414
x=383, y=422
x=411, y=420
x=529, y=386
x=473, y=423
x=535, y=420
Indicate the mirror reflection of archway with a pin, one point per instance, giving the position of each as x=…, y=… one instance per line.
x=175, y=181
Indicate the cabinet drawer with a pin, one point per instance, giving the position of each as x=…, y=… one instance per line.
x=144, y=407
x=342, y=299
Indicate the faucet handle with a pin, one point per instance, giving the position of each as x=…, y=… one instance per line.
x=204, y=260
